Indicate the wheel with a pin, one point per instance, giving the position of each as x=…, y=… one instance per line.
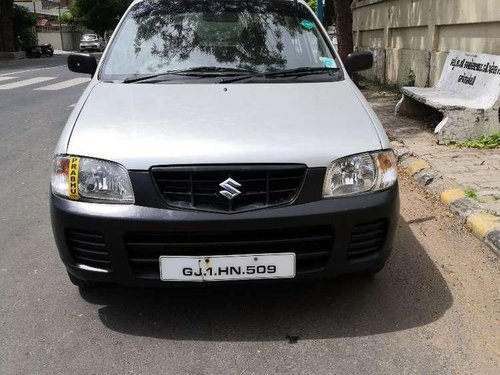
x=82, y=283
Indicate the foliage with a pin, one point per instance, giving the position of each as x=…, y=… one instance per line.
x=178, y=40
x=471, y=193
x=485, y=142
x=313, y=4
x=24, y=22
x=67, y=17
x=98, y=15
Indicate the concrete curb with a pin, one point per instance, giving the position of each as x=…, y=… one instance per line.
x=484, y=225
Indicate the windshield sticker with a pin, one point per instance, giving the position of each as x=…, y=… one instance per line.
x=328, y=62
x=306, y=24
x=74, y=166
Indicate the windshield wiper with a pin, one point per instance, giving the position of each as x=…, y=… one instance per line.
x=296, y=72
x=215, y=69
x=203, y=71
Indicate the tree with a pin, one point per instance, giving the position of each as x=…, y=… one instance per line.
x=163, y=36
x=23, y=26
x=99, y=15
x=343, y=15
x=329, y=18
x=313, y=4
x=6, y=25
x=67, y=17
x=69, y=20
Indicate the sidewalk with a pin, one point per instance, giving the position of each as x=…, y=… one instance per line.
x=468, y=180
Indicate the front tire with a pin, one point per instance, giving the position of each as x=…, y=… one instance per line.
x=82, y=283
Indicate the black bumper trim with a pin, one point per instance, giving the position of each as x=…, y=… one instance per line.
x=114, y=222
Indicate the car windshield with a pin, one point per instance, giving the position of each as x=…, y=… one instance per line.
x=87, y=38
x=258, y=36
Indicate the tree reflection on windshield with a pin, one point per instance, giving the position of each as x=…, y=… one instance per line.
x=186, y=26
x=264, y=35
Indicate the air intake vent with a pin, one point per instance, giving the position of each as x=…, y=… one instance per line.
x=367, y=240
x=244, y=187
x=312, y=246
x=89, y=249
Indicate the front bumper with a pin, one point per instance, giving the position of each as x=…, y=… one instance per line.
x=361, y=231
x=89, y=47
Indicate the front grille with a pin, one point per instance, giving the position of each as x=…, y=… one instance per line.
x=199, y=188
x=89, y=249
x=367, y=240
x=312, y=246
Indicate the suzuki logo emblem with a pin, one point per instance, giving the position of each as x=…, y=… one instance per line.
x=230, y=188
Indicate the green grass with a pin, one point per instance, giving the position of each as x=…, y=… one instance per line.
x=485, y=142
x=471, y=193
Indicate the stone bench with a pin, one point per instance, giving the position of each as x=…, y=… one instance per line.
x=467, y=95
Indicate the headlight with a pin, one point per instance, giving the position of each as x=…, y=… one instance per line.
x=361, y=173
x=94, y=180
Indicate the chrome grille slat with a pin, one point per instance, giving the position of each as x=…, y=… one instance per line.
x=197, y=187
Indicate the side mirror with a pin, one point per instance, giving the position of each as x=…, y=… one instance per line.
x=82, y=63
x=359, y=61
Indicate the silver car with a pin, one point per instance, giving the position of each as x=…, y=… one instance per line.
x=92, y=42
x=222, y=141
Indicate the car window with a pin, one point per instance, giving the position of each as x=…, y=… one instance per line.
x=258, y=35
x=87, y=38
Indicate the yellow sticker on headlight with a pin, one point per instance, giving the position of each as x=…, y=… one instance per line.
x=74, y=166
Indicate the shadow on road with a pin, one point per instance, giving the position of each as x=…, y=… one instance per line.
x=410, y=292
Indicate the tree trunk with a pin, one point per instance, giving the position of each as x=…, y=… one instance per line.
x=329, y=18
x=6, y=25
x=343, y=13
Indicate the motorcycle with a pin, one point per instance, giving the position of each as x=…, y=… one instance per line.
x=33, y=50
x=37, y=50
x=47, y=49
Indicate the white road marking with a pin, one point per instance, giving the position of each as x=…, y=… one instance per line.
x=31, y=70
x=27, y=82
x=6, y=78
x=64, y=84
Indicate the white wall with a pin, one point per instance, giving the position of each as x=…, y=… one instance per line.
x=70, y=40
x=411, y=38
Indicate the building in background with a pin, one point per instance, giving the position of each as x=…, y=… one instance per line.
x=47, y=11
x=49, y=29
x=411, y=38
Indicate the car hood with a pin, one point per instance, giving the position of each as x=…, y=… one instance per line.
x=144, y=125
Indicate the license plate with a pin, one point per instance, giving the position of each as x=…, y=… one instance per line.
x=227, y=267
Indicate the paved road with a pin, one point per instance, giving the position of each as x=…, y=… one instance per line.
x=433, y=310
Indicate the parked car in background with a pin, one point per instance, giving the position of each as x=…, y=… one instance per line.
x=92, y=42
